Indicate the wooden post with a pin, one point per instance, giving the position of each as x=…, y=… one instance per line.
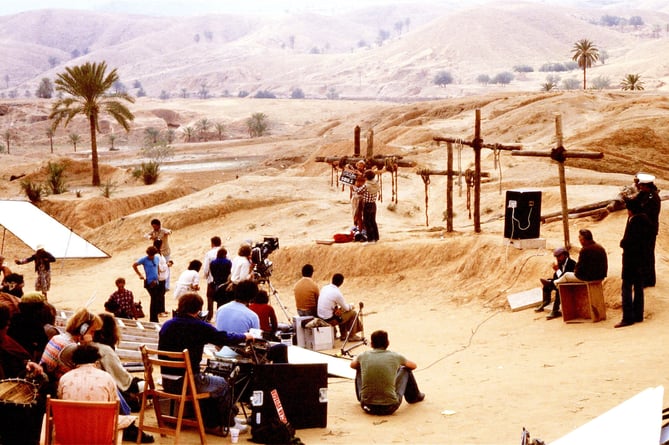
x=449, y=188
x=356, y=141
x=563, y=183
x=477, y=144
x=560, y=155
x=477, y=172
x=370, y=144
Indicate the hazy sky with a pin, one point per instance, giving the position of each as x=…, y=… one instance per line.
x=193, y=7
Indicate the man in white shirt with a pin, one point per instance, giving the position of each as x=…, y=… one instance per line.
x=206, y=271
x=333, y=308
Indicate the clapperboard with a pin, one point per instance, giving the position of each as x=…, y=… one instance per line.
x=347, y=177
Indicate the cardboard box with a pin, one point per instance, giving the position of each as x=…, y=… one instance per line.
x=319, y=339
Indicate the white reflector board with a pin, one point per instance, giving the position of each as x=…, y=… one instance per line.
x=636, y=421
x=33, y=227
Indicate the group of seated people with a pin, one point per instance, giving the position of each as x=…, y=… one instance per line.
x=31, y=345
x=81, y=362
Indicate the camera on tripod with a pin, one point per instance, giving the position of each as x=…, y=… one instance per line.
x=259, y=253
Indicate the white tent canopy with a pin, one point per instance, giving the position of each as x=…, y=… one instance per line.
x=33, y=227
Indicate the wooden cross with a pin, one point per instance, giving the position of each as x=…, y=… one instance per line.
x=477, y=144
x=559, y=154
x=390, y=162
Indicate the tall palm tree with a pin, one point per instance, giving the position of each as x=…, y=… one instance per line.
x=86, y=87
x=585, y=53
x=632, y=82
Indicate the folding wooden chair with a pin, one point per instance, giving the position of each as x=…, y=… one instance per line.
x=170, y=415
x=70, y=422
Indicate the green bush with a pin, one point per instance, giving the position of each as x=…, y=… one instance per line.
x=33, y=190
x=148, y=171
x=56, y=178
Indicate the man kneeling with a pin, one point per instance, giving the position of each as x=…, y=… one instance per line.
x=383, y=377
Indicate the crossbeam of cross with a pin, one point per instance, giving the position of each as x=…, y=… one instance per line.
x=477, y=144
x=559, y=154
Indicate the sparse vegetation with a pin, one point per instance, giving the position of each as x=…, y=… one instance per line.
x=503, y=78
x=50, y=134
x=220, y=130
x=56, y=177
x=570, y=84
x=148, y=171
x=264, y=94
x=632, y=82
x=45, y=89
x=74, y=139
x=601, y=83
x=108, y=188
x=257, y=125
x=443, y=78
x=523, y=69
x=297, y=93
x=483, y=79
x=203, y=126
x=33, y=190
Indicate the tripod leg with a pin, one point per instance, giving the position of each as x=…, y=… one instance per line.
x=358, y=317
x=275, y=293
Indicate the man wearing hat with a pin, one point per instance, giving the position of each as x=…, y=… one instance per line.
x=635, y=245
x=562, y=264
x=650, y=201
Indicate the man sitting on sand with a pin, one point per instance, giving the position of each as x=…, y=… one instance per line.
x=383, y=377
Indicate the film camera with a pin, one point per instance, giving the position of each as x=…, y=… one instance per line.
x=259, y=254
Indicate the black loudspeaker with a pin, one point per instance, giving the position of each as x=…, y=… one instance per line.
x=302, y=390
x=522, y=219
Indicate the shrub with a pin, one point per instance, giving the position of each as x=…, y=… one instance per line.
x=108, y=188
x=297, y=93
x=503, y=78
x=56, y=178
x=148, y=171
x=33, y=191
x=264, y=94
x=601, y=83
x=257, y=124
x=483, y=79
x=523, y=69
x=443, y=78
x=571, y=84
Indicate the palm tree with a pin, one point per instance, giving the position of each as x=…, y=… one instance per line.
x=50, y=133
x=188, y=133
x=220, y=129
x=86, y=89
x=632, y=82
x=257, y=124
x=585, y=53
x=202, y=127
x=74, y=138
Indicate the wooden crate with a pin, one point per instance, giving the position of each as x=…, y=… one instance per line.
x=582, y=301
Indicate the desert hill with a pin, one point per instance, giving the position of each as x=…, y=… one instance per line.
x=336, y=56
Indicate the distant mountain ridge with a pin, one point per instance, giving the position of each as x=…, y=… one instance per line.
x=336, y=56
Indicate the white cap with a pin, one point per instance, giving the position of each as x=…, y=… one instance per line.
x=645, y=178
x=39, y=247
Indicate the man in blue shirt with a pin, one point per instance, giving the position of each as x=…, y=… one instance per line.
x=151, y=282
x=236, y=317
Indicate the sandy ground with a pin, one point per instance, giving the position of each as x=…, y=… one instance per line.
x=487, y=371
